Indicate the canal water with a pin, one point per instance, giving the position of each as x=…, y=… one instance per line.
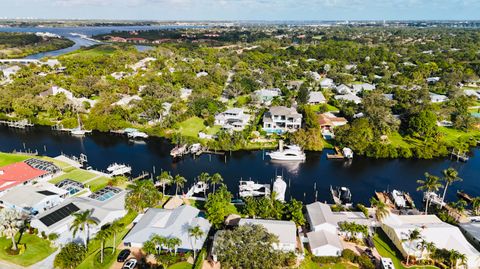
x=363, y=175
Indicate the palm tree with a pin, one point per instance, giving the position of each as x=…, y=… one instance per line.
x=165, y=179
x=412, y=236
x=430, y=184
x=179, y=182
x=194, y=233
x=450, y=176
x=11, y=221
x=159, y=242
x=142, y=194
x=216, y=179
x=82, y=221
x=149, y=247
x=476, y=205
x=381, y=209
x=115, y=228
x=174, y=242
x=454, y=257
x=204, y=177
x=430, y=247
x=462, y=258
x=101, y=236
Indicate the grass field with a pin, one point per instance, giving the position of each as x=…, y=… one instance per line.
x=8, y=158
x=98, y=183
x=190, y=127
x=77, y=175
x=386, y=249
x=309, y=264
x=181, y=265
x=92, y=52
x=37, y=249
x=450, y=134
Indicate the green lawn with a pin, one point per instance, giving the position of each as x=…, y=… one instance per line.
x=94, y=246
x=76, y=174
x=98, y=183
x=397, y=140
x=37, y=249
x=94, y=51
x=181, y=265
x=8, y=158
x=190, y=127
x=386, y=249
x=451, y=135
x=309, y=264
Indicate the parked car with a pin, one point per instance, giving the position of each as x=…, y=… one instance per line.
x=123, y=255
x=130, y=264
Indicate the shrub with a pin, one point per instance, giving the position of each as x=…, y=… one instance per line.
x=349, y=255
x=53, y=236
x=365, y=262
x=326, y=259
x=44, y=235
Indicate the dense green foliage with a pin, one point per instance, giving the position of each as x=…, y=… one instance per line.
x=18, y=45
x=70, y=256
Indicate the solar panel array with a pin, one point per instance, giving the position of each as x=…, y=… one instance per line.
x=59, y=214
x=105, y=193
x=43, y=165
x=46, y=193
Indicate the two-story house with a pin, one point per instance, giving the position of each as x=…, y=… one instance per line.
x=280, y=119
x=232, y=119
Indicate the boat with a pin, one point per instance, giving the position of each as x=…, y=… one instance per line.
x=279, y=187
x=178, y=151
x=341, y=196
x=433, y=198
x=137, y=134
x=116, y=169
x=195, y=148
x=249, y=188
x=399, y=199
x=347, y=153
x=384, y=197
x=198, y=187
x=287, y=153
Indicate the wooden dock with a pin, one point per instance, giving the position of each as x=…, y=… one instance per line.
x=22, y=124
x=141, y=176
x=459, y=155
x=465, y=196
x=337, y=156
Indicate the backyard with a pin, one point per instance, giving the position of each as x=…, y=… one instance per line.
x=36, y=249
x=8, y=158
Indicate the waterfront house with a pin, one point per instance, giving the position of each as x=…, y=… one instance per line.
x=327, y=83
x=280, y=119
x=107, y=205
x=26, y=172
x=432, y=229
x=265, y=96
x=168, y=223
x=78, y=102
x=33, y=199
x=316, y=98
x=328, y=121
x=472, y=231
x=438, y=98
x=286, y=231
x=350, y=97
x=232, y=119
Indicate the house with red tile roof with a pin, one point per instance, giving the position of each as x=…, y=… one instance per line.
x=22, y=173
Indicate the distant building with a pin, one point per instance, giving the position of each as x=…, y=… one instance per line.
x=433, y=80
x=286, y=231
x=280, y=119
x=328, y=121
x=137, y=40
x=201, y=74
x=343, y=89
x=349, y=97
x=265, y=96
x=316, y=98
x=473, y=93
x=432, y=229
x=357, y=88
x=169, y=223
x=438, y=98
x=185, y=93
x=33, y=199
x=10, y=71
x=232, y=119
x=327, y=83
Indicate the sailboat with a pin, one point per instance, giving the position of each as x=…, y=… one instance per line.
x=79, y=131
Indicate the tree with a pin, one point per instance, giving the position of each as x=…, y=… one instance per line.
x=429, y=185
x=70, y=256
x=381, y=209
x=172, y=243
x=216, y=179
x=82, y=221
x=165, y=179
x=142, y=194
x=115, y=228
x=411, y=236
x=179, y=182
x=11, y=221
x=247, y=246
x=378, y=112
x=450, y=176
x=430, y=247
x=101, y=236
x=476, y=205
x=423, y=124
x=205, y=178
x=218, y=206
x=303, y=94
x=195, y=233
x=293, y=212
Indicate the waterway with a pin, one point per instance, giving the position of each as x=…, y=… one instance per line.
x=363, y=175
x=79, y=41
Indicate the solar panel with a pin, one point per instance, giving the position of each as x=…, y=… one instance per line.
x=59, y=214
x=42, y=165
x=47, y=193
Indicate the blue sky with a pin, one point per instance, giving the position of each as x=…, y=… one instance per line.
x=242, y=9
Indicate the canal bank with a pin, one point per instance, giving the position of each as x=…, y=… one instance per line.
x=362, y=175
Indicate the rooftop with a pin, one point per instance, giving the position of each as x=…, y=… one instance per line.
x=286, y=231
x=323, y=238
x=30, y=195
x=17, y=173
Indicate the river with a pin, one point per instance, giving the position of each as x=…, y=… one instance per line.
x=86, y=30
x=363, y=176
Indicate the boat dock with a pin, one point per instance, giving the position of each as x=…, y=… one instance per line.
x=338, y=155
x=22, y=124
x=459, y=155
x=141, y=176
x=465, y=196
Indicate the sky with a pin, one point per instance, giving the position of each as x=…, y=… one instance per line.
x=242, y=9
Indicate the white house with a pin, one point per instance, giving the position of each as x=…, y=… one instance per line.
x=324, y=243
x=438, y=98
x=169, y=223
x=286, y=231
x=265, y=96
x=280, y=119
x=432, y=229
x=357, y=88
x=107, y=205
x=327, y=83
x=10, y=71
x=232, y=119
x=316, y=98
x=473, y=93
x=323, y=238
x=126, y=99
x=54, y=90
x=33, y=199
x=350, y=97
x=142, y=64
x=343, y=89
x=433, y=80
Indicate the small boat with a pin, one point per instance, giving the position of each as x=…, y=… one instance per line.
x=341, y=196
x=193, y=149
x=116, y=169
x=249, y=188
x=399, y=199
x=198, y=187
x=279, y=187
x=137, y=134
x=178, y=151
x=347, y=153
x=287, y=153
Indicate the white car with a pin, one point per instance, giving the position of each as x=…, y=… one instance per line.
x=130, y=264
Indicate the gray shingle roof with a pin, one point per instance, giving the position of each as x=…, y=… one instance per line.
x=285, y=230
x=320, y=213
x=323, y=238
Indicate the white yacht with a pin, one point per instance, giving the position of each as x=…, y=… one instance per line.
x=249, y=188
x=136, y=134
x=287, y=153
x=195, y=148
x=280, y=187
x=116, y=169
x=198, y=187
